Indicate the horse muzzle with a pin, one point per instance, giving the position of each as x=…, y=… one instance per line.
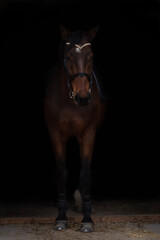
x=82, y=101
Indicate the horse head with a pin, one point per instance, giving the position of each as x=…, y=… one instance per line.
x=78, y=62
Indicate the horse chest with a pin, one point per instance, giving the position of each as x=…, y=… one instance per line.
x=73, y=123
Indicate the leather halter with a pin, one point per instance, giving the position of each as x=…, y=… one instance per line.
x=70, y=78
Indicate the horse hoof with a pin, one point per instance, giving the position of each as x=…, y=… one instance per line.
x=87, y=227
x=61, y=225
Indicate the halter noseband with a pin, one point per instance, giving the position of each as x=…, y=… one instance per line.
x=81, y=74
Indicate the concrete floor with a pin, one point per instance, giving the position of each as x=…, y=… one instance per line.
x=114, y=220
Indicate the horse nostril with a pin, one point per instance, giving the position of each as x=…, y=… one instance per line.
x=82, y=101
x=77, y=98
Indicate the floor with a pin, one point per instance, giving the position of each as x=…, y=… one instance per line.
x=114, y=219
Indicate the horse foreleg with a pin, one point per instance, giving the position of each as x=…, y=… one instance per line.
x=86, y=149
x=59, y=144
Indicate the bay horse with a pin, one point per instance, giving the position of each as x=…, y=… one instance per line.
x=73, y=107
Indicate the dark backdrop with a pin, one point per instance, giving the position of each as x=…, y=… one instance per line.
x=127, y=48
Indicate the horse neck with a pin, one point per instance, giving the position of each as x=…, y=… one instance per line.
x=63, y=80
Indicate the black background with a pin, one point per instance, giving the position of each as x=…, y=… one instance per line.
x=127, y=52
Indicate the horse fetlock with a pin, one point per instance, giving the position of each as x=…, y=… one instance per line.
x=62, y=205
x=86, y=204
x=87, y=208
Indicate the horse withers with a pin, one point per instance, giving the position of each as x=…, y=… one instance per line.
x=74, y=107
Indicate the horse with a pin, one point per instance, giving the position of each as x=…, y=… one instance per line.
x=74, y=107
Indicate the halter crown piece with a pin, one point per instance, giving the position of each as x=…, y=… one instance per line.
x=78, y=47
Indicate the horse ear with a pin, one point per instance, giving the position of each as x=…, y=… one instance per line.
x=64, y=32
x=92, y=32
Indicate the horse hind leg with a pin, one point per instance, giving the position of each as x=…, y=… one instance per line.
x=78, y=201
